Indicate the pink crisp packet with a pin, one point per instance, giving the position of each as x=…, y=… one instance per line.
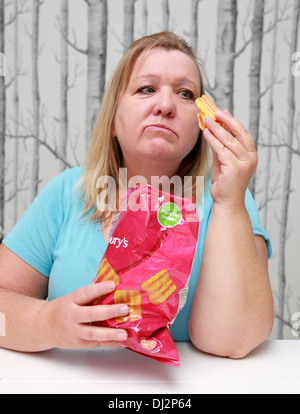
x=149, y=257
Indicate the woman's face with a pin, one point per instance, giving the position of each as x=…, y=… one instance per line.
x=156, y=118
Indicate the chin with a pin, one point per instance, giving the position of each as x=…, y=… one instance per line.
x=162, y=151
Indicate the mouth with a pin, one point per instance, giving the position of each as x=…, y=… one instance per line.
x=161, y=127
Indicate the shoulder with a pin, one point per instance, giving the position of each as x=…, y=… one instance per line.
x=65, y=182
x=66, y=188
x=59, y=193
x=69, y=177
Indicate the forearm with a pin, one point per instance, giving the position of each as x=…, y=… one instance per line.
x=26, y=326
x=232, y=309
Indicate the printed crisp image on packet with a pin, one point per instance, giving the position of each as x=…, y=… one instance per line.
x=149, y=257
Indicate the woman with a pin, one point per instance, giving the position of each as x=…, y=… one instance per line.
x=148, y=126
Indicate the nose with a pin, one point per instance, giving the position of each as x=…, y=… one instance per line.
x=165, y=104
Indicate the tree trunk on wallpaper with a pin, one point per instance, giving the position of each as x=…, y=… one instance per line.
x=96, y=53
x=2, y=124
x=16, y=111
x=225, y=54
x=270, y=118
x=145, y=18
x=287, y=173
x=194, y=25
x=64, y=87
x=128, y=34
x=35, y=97
x=165, y=15
x=255, y=75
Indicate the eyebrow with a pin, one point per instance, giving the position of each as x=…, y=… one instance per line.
x=178, y=81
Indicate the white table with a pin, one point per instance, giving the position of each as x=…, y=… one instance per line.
x=274, y=367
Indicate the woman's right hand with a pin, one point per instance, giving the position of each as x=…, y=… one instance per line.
x=70, y=319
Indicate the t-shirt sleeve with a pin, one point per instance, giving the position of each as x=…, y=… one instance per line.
x=255, y=220
x=34, y=236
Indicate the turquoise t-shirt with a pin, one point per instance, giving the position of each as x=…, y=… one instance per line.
x=54, y=238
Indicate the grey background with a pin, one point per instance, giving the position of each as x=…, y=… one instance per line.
x=179, y=22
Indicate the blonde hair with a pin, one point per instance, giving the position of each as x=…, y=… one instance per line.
x=105, y=156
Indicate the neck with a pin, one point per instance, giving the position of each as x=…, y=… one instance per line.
x=147, y=173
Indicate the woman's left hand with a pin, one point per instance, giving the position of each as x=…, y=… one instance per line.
x=235, y=159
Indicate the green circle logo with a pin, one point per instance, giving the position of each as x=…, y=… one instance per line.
x=169, y=215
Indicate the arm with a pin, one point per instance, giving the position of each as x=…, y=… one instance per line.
x=33, y=324
x=232, y=310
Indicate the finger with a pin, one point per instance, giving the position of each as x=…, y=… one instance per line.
x=111, y=344
x=237, y=129
x=102, y=344
x=93, y=333
x=223, y=154
x=86, y=294
x=98, y=313
x=226, y=138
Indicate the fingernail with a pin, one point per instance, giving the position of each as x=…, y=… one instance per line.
x=122, y=336
x=124, y=310
x=207, y=133
x=225, y=112
x=110, y=284
x=208, y=120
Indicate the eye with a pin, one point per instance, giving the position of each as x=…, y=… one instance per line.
x=186, y=94
x=147, y=90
